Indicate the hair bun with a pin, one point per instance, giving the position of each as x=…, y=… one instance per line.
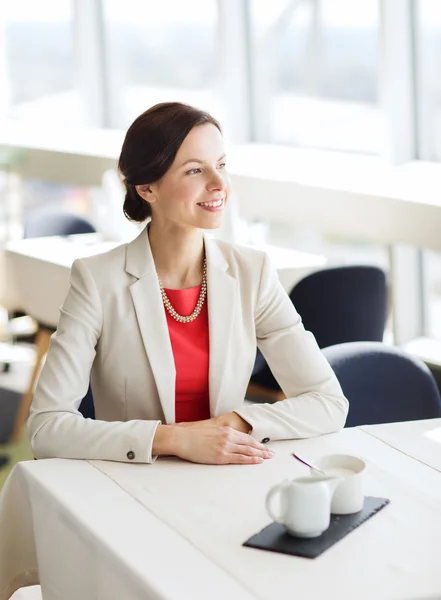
x=135, y=208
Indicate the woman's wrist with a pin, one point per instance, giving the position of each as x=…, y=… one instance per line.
x=165, y=441
x=234, y=421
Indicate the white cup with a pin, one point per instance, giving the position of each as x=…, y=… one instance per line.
x=348, y=497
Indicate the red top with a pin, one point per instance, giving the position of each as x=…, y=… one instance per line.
x=190, y=345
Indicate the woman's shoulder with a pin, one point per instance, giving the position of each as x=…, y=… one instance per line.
x=104, y=268
x=110, y=258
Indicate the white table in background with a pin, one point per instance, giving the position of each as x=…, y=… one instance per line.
x=419, y=439
x=37, y=270
x=174, y=530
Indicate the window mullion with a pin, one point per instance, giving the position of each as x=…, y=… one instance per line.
x=397, y=96
x=91, y=63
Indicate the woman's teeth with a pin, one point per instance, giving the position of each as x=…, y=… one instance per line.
x=211, y=204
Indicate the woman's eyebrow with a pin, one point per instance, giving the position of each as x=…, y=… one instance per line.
x=196, y=160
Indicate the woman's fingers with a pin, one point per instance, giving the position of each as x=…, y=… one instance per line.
x=251, y=451
x=220, y=445
x=239, y=444
x=247, y=440
x=243, y=459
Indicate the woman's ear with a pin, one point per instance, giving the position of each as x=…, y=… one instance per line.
x=146, y=192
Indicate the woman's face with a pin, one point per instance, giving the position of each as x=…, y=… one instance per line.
x=195, y=189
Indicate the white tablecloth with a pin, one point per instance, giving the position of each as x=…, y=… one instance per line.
x=175, y=530
x=94, y=541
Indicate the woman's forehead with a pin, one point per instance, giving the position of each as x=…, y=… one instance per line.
x=203, y=143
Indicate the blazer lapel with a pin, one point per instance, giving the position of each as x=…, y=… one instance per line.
x=222, y=295
x=152, y=321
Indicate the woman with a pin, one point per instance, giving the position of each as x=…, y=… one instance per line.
x=165, y=327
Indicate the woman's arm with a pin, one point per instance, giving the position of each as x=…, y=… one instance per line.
x=56, y=427
x=58, y=430
x=231, y=419
x=315, y=403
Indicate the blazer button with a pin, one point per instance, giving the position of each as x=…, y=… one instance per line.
x=265, y=440
x=130, y=455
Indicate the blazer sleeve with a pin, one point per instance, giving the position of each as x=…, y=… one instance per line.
x=314, y=403
x=56, y=428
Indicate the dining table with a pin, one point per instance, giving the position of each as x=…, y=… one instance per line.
x=175, y=530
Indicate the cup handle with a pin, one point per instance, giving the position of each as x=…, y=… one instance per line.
x=269, y=501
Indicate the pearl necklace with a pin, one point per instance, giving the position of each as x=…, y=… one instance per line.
x=194, y=315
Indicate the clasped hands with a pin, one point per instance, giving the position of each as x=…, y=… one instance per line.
x=223, y=439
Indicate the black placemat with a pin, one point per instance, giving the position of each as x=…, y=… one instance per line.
x=276, y=539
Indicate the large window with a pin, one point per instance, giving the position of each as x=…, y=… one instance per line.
x=428, y=36
x=428, y=64
x=161, y=51
x=315, y=72
x=354, y=75
x=432, y=288
x=37, y=67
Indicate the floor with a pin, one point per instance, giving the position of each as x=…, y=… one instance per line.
x=16, y=453
x=17, y=379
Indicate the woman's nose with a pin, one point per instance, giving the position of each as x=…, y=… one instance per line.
x=217, y=182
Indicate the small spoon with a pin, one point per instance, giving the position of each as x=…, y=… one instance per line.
x=296, y=456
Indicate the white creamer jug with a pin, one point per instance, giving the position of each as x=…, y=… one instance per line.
x=305, y=504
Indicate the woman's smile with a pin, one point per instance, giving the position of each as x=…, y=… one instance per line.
x=213, y=206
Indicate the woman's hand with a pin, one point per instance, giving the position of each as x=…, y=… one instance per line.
x=232, y=420
x=216, y=445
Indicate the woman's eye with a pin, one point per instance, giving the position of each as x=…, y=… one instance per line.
x=222, y=166
x=193, y=171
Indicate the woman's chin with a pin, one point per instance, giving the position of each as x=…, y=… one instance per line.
x=213, y=226
x=214, y=222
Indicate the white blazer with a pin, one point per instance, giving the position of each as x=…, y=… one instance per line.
x=113, y=331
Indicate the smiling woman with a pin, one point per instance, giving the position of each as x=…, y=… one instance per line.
x=165, y=328
x=174, y=148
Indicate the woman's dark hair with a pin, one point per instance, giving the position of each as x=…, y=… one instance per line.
x=150, y=146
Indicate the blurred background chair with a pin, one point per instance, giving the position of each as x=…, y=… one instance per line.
x=43, y=223
x=337, y=304
x=383, y=384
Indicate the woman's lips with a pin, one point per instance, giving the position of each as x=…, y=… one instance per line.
x=214, y=206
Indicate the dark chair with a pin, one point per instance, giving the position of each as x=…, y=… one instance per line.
x=44, y=223
x=87, y=408
x=383, y=384
x=338, y=304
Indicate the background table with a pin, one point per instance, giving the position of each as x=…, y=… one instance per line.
x=419, y=439
x=175, y=530
x=36, y=271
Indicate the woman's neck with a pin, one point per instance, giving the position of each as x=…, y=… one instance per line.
x=178, y=254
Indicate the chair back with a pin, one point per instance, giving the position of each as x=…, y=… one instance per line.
x=338, y=304
x=42, y=223
x=343, y=304
x=383, y=384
